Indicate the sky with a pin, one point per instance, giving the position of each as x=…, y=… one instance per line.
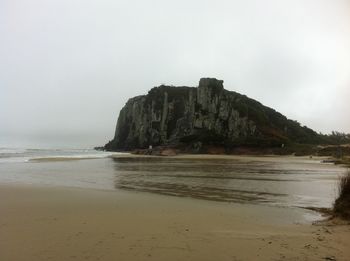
x=67, y=67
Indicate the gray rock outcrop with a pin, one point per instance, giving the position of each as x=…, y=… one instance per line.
x=208, y=114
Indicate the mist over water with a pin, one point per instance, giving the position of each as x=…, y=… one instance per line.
x=42, y=140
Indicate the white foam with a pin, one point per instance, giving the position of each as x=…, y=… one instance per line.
x=25, y=155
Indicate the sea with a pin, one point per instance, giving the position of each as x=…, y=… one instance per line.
x=279, y=181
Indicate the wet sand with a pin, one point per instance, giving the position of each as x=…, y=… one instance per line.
x=38, y=223
x=226, y=156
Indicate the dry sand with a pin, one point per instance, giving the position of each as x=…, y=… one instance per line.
x=80, y=224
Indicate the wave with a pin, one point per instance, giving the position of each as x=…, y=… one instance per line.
x=72, y=157
x=34, y=154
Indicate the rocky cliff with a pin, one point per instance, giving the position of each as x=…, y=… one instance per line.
x=192, y=117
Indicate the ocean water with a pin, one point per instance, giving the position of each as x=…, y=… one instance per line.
x=8, y=155
x=278, y=181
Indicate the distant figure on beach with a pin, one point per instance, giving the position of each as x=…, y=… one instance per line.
x=150, y=148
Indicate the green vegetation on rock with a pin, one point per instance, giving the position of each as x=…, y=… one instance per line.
x=209, y=115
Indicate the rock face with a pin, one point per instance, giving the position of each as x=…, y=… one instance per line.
x=208, y=114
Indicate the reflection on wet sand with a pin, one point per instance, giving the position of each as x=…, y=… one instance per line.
x=279, y=182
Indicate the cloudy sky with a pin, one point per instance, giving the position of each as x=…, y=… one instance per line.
x=68, y=66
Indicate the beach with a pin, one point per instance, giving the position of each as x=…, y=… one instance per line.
x=174, y=130
x=86, y=205
x=58, y=223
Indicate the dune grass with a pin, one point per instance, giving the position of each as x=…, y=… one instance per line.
x=342, y=203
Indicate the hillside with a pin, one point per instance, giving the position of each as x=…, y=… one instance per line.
x=208, y=115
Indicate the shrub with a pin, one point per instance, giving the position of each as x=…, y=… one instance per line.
x=342, y=203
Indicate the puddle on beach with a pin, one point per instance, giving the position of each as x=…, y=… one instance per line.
x=280, y=181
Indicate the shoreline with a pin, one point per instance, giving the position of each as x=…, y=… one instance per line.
x=265, y=157
x=56, y=223
x=215, y=156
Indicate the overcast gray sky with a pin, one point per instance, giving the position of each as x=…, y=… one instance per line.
x=68, y=66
